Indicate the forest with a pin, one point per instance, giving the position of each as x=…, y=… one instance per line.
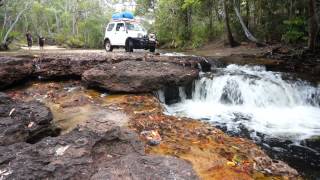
x=177, y=23
x=191, y=23
x=72, y=23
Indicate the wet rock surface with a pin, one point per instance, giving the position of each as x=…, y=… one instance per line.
x=71, y=105
x=14, y=69
x=83, y=154
x=213, y=154
x=304, y=63
x=88, y=117
x=139, y=76
x=23, y=122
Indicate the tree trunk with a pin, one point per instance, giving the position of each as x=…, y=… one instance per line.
x=210, y=14
x=5, y=16
x=4, y=41
x=248, y=13
x=187, y=24
x=231, y=40
x=313, y=25
x=57, y=21
x=244, y=27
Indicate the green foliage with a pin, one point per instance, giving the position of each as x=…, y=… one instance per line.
x=192, y=23
x=75, y=42
x=178, y=23
x=186, y=23
x=190, y=3
x=295, y=31
x=75, y=23
x=199, y=33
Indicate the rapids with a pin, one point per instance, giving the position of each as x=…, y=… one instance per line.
x=279, y=111
x=259, y=100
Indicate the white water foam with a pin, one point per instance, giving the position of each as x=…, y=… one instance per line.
x=173, y=54
x=260, y=100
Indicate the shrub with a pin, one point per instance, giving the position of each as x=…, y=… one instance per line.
x=75, y=42
x=295, y=31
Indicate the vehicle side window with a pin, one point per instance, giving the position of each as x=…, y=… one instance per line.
x=110, y=27
x=119, y=25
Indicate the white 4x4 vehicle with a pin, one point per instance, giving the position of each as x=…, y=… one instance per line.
x=128, y=34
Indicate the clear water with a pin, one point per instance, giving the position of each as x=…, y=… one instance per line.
x=260, y=100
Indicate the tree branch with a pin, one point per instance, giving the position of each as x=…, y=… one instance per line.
x=15, y=22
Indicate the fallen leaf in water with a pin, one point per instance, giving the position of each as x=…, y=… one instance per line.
x=236, y=148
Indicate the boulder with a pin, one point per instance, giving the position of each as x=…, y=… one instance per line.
x=83, y=154
x=14, y=69
x=23, y=121
x=139, y=76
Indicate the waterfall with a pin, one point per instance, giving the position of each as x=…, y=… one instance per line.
x=259, y=100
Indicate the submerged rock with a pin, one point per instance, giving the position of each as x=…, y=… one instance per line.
x=213, y=154
x=23, y=122
x=14, y=69
x=139, y=76
x=83, y=154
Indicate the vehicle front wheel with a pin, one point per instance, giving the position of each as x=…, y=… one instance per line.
x=108, y=46
x=129, y=45
x=152, y=49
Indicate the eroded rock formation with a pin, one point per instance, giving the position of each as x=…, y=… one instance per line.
x=23, y=122
x=14, y=69
x=139, y=76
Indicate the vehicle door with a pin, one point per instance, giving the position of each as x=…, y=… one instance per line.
x=110, y=32
x=120, y=34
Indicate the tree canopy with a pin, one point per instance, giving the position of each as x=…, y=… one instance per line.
x=74, y=23
x=185, y=23
x=177, y=23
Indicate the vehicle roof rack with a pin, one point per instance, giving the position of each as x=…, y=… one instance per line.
x=123, y=19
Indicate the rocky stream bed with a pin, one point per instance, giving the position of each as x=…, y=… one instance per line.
x=95, y=116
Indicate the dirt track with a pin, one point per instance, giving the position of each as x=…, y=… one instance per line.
x=35, y=50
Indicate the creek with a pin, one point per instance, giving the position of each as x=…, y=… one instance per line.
x=278, y=111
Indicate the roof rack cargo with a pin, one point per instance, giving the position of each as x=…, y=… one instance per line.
x=123, y=19
x=122, y=15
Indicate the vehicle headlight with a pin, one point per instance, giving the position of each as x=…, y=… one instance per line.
x=140, y=35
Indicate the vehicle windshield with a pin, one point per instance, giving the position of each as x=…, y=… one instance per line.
x=134, y=27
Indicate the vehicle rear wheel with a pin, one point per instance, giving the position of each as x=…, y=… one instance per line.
x=152, y=49
x=129, y=45
x=108, y=46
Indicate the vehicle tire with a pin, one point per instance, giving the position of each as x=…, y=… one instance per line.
x=129, y=45
x=108, y=46
x=152, y=49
